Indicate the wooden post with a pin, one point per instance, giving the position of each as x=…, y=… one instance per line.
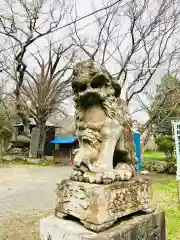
x=33, y=149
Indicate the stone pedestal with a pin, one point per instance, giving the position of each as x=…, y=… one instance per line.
x=99, y=206
x=143, y=227
x=33, y=160
x=34, y=142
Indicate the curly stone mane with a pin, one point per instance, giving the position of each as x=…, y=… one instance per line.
x=94, y=86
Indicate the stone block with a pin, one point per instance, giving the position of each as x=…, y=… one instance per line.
x=13, y=157
x=138, y=227
x=33, y=160
x=8, y=158
x=99, y=206
x=160, y=166
x=35, y=135
x=172, y=168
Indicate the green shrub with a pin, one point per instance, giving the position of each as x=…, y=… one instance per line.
x=172, y=168
x=166, y=144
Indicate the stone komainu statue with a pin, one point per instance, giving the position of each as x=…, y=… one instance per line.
x=103, y=126
x=105, y=159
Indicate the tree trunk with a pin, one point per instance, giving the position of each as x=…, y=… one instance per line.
x=22, y=115
x=42, y=138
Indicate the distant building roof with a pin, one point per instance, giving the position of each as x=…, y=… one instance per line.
x=67, y=122
x=64, y=140
x=65, y=127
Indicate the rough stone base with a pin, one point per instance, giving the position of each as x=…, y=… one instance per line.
x=99, y=206
x=143, y=227
x=33, y=160
x=13, y=157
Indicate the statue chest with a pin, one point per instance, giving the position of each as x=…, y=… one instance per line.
x=94, y=114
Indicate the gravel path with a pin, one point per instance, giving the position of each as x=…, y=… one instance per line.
x=25, y=189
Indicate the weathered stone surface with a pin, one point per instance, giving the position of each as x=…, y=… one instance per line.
x=33, y=160
x=99, y=206
x=117, y=174
x=160, y=166
x=139, y=227
x=13, y=157
x=144, y=172
x=103, y=126
x=172, y=168
x=34, y=143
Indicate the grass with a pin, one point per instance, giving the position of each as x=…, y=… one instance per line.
x=165, y=194
x=154, y=155
x=23, y=162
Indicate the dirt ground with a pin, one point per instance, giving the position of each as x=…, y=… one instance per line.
x=27, y=194
x=24, y=227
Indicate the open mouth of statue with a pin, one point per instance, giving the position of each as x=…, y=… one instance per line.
x=89, y=98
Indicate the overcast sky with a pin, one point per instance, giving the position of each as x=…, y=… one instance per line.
x=84, y=7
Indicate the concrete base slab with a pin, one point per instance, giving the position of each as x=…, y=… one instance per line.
x=33, y=160
x=143, y=227
x=53, y=228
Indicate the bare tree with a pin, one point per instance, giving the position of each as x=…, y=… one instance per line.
x=6, y=117
x=23, y=24
x=160, y=110
x=137, y=37
x=47, y=87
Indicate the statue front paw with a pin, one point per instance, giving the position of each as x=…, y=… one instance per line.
x=124, y=172
x=82, y=157
x=86, y=155
x=77, y=160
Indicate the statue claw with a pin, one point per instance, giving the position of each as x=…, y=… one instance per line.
x=77, y=161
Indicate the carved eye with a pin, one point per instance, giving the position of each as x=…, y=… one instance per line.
x=78, y=87
x=82, y=87
x=98, y=81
